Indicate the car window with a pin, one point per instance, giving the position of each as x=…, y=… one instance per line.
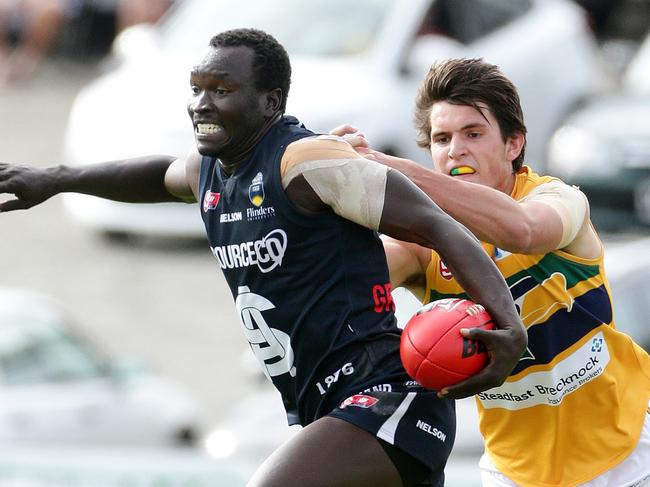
x=35, y=349
x=469, y=20
x=314, y=27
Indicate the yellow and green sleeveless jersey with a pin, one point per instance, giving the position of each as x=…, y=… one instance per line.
x=574, y=405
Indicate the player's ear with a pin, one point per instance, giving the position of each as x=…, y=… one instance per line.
x=272, y=102
x=514, y=145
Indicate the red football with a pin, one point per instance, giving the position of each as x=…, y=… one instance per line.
x=433, y=351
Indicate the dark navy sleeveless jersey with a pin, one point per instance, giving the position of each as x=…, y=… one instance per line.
x=307, y=288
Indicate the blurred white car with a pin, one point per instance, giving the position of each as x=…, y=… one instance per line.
x=257, y=425
x=604, y=147
x=353, y=62
x=57, y=386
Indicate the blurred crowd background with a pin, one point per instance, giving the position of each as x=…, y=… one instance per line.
x=119, y=342
x=82, y=30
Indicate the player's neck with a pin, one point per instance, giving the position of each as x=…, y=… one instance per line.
x=230, y=163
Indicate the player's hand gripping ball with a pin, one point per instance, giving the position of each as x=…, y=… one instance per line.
x=433, y=351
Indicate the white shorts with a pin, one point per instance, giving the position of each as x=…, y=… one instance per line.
x=634, y=471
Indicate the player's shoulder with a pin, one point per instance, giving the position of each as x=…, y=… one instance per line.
x=323, y=146
x=193, y=157
x=317, y=148
x=191, y=161
x=557, y=187
x=533, y=185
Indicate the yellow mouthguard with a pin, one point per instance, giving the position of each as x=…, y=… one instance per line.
x=462, y=170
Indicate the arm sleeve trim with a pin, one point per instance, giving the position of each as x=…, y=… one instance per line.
x=568, y=201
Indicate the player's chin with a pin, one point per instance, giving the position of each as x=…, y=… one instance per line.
x=206, y=149
x=209, y=146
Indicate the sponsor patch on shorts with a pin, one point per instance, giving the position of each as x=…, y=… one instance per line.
x=360, y=401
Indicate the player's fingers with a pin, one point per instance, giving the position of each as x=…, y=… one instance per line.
x=341, y=130
x=357, y=141
x=486, y=336
x=15, y=204
x=484, y=380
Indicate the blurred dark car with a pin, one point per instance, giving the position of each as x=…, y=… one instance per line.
x=604, y=148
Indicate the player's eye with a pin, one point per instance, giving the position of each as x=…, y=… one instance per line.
x=441, y=140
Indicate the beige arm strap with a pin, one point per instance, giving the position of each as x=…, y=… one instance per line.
x=353, y=188
x=568, y=201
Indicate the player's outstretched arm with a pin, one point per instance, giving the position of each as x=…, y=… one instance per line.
x=138, y=180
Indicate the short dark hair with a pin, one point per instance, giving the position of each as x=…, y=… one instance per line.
x=271, y=65
x=470, y=82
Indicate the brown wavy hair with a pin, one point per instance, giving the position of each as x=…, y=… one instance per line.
x=474, y=83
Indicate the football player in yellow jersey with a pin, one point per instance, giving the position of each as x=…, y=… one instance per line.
x=574, y=411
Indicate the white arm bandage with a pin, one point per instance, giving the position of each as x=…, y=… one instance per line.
x=568, y=201
x=354, y=188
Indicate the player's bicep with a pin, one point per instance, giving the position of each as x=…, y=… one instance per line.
x=181, y=178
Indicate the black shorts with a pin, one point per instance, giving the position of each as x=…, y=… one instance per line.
x=381, y=398
x=417, y=423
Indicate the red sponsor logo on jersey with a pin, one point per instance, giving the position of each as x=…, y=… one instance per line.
x=359, y=401
x=210, y=200
x=444, y=271
x=383, y=297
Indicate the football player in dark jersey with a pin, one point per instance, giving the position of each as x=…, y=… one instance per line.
x=293, y=220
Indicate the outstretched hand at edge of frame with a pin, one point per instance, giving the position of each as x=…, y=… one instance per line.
x=29, y=185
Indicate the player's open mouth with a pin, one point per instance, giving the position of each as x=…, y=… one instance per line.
x=461, y=170
x=208, y=128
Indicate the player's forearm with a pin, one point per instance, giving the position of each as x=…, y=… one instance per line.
x=480, y=278
x=491, y=215
x=138, y=180
x=410, y=216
